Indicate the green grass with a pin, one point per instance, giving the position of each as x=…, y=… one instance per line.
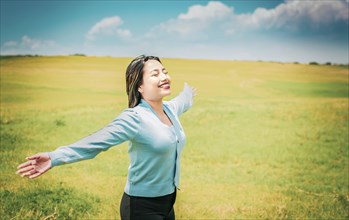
x=39, y=203
x=264, y=140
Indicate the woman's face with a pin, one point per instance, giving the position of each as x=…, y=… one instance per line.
x=156, y=81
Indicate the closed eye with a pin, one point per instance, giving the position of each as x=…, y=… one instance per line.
x=157, y=72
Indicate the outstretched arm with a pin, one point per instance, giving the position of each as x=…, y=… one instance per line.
x=184, y=100
x=36, y=165
x=124, y=127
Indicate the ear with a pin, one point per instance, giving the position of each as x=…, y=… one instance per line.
x=140, y=89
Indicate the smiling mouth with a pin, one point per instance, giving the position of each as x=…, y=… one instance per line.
x=165, y=85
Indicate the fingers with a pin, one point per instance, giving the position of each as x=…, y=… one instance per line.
x=28, y=163
x=29, y=173
x=35, y=175
x=194, y=91
x=38, y=172
x=25, y=169
x=33, y=157
x=186, y=85
x=36, y=165
x=32, y=161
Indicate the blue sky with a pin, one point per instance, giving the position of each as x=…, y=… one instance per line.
x=270, y=30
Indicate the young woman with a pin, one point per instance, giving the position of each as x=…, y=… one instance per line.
x=155, y=136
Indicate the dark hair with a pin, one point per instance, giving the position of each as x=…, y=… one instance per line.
x=134, y=78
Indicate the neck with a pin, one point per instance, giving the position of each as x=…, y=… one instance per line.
x=156, y=105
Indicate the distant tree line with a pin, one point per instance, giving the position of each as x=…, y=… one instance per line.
x=328, y=64
x=34, y=55
x=78, y=54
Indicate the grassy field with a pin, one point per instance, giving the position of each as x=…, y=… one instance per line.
x=264, y=140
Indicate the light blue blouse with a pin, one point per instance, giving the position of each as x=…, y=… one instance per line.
x=154, y=147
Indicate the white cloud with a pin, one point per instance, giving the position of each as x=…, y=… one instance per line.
x=124, y=33
x=198, y=17
x=213, y=10
x=317, y=13
x=227, y=34
x=35, y=44
x=292, y=15
x=27, y=45
x=10, y=44
x=108, y=27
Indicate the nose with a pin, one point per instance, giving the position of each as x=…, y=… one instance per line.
x=163, y=76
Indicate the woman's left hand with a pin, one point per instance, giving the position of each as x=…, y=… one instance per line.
x=193, y=89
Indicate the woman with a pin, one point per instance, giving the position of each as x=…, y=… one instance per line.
x=156, y=139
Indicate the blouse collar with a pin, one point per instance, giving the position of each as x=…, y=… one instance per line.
x=145, y=104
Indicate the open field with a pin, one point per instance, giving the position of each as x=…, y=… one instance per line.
x=264, y=140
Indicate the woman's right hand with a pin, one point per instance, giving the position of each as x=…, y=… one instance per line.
x=36, y=165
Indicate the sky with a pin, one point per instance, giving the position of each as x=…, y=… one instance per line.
x=264, y=30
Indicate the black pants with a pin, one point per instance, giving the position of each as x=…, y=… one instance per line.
x=146, y=208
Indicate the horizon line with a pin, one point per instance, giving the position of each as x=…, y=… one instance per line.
x=112, y=56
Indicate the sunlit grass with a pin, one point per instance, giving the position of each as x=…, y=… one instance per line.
x=264, y=140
